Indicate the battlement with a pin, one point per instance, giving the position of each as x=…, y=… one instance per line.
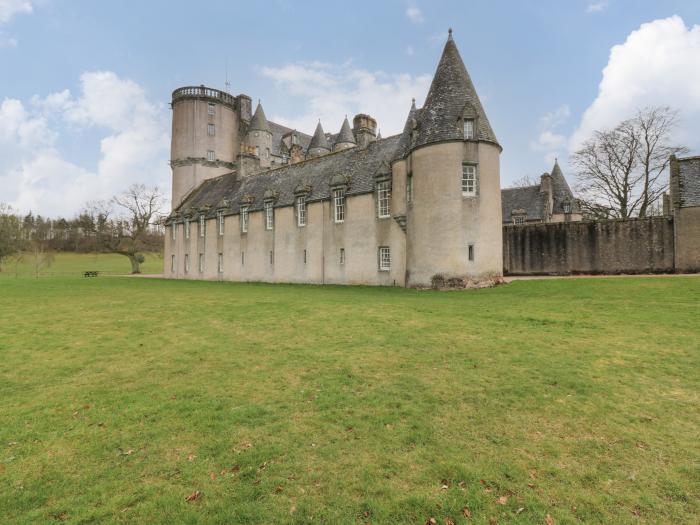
x=203, y=93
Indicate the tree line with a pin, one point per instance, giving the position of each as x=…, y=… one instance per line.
x=129, y=224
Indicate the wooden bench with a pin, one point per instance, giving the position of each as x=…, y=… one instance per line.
x=90, y=273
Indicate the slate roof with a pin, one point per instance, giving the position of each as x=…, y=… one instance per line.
x=450, y=93
x=259, y=121
x=527, y=198
x=405, y=141
x=689, y=174
x=561, y=191
x=345, y=134
x=278, y=131
x=360, y=166
x=319, y=139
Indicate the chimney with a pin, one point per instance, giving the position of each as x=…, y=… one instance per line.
x=364, y=128
x=546, y=188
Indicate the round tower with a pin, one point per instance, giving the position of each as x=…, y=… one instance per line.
x=345, y=138
x=259, y=137
x=205, y=141
x=319, y=143
x=453, y=168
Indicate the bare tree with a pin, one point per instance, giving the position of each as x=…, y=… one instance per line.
x=11, y=242
x=524, y=181
x=140, y=207
x=619, y=171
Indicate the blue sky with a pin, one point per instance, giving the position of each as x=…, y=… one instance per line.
x=86, y=85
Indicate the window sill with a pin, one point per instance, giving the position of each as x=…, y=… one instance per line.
x=468, y=195
x=384, y=217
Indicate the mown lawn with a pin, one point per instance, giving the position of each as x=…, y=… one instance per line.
x=66, y=264
x=559, y=401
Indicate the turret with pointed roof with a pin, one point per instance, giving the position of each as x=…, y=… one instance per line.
x=259, y=121
x=451, y=96
x=319, y=143
x=345, y=138
x=259, y=137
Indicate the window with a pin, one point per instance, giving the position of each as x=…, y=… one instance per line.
x=384, y=258
x=221, y=263
x=202, y=226
x=269, y=216
x=211, y=108
x=173, y=228
x=304, y=256
x=244, y=219
x=220, y=219
x=341, y=260
x=470, y=253
x=201, y=262
x=187, y=262
x=468, y=129
x=518, y=219
x=384, y=199
x=339, y=205
x=272, y=257
x=468, y=179
x=257, y=151
x=210, y=156
x=301, y=211
x=409, y=188
x=267, y=153
x=187, y=229
x=567, y=207
x=242, y=258
x=172, y=263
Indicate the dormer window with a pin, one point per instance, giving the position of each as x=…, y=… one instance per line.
x=187, y=228
x=468, y=129
x=202, y=226
x=567, y=207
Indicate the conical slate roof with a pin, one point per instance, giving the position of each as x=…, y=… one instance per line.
x=560, y=188
x=405, y=140
x=319, y=139
x=259, y=121
x=345, y=134
x=451, y=92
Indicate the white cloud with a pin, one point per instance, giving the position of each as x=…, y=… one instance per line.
x=597, y=7
x=133, y=135
x=548, y=141
x=658, y=65
x=10, y=8
x=415, y=15
x=332, y=91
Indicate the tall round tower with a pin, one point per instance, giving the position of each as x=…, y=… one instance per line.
x=205, y=137
x=453, y=170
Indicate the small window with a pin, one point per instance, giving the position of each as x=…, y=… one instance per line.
x=567, y=207
x=202, y=226
x=173, y=229
x=211, y=129
x=211, y=108
x=172, y=263
x=242, y=258
x=384, y=199
x=201, y=262
x=304, y=256
x=187, y=262
x=244, y=219
x=409, y=188
x=257, y=151
x=269, y=216
x=341, y=260
x=468, y=180
x=221, y=263
x=301, y=211
x=339, y=205
x=210, y=156
x=470, y=252
x=272, y=257
x=267, y=153
x=295, y=140
x=518, y=219
x=468, y=129
x=187, y=229
x=384, y=258
x=220, y=220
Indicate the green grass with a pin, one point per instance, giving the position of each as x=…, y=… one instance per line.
x=577, y=399
x=74, y=264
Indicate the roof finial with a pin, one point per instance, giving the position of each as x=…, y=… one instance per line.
x=449, y=34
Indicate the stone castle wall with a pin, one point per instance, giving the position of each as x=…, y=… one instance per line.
x=606, y=247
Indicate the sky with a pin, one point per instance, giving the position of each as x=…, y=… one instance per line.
x=85, y=86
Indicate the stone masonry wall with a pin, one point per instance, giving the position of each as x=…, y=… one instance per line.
x=609, y=247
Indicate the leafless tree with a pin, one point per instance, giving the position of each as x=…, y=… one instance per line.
x=619, y=171
x=525, y=180
x=139, y=206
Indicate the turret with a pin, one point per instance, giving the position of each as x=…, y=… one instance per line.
x=319, y=143
x=345, y=138
x=453, y=162
x=547, y=195
x=205, y=137
x=365, y=129
x=259, y=137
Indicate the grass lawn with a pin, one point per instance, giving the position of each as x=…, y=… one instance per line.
x=74, y=264
x=558, y=401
